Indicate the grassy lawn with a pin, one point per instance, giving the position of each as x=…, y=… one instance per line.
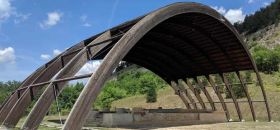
x=167, y=99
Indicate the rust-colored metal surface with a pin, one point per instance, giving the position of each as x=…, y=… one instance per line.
x=176, y=42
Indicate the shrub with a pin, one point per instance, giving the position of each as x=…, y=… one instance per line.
x=133, y=81
x=149, y=88
x=151, y=95
x=248, y=77
x=109, y=94
x=267, y=60
x=237, y=88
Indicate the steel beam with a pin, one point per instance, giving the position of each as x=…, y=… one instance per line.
x=43, y=104
x=204, y=90
x=14, y=114
x=182, y=85
x=245, y=89
x=219, y=95
x=232, y=95
x=264, y=95
x=181, y=94
x=192, y=88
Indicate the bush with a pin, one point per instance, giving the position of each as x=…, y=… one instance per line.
x=236, y=89
x=69, y=95
x=133, y=81
x=151, y=95
x=267, y=60
x=109, y=94
x=149, y=88
x=248, y=77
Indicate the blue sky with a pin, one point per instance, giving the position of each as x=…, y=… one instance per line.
x=33, y=31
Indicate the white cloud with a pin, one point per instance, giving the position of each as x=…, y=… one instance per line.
x=8, y=65
x=220, y=9
x=87, y=25
x=45, y=57
x=7, y=55
x=89, y=67
x=21, y=17
x=84, y=19
x=251, y=1
x=233, y=15
x=53, y=19
x=56, y=52
x=6, y=9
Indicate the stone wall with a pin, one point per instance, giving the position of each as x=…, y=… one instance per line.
x=143, y=117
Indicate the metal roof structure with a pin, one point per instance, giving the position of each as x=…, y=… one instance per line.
x=176, y=42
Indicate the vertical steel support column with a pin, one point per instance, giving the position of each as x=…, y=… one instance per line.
x=225, y=80
x=181, y=94
x=214, y=86
x=245, y=89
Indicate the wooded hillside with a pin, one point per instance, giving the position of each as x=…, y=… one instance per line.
x=264, y=17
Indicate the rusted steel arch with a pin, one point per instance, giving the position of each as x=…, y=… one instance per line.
x=204, y=38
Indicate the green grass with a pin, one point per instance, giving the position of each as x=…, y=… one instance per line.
x=167, y=99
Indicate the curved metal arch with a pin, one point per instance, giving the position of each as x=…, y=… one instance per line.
x=136, y=30
x=72, y=67
x=44, y=73
x=122, y=47
x=229, y=58
x=240, y=40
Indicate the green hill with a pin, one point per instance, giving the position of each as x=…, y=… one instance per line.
x=167, y=99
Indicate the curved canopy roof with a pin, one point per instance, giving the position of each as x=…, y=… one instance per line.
x=198, y=42
x=179, y=41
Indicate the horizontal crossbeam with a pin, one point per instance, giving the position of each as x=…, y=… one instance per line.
x=256, y=101
x=89, y=46
x=56, y=81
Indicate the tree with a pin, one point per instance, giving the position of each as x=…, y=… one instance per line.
x=236, y=88
x=6, y=88
x=149, y=88
x=267, y=60
x=110, y=93
x=260, y=19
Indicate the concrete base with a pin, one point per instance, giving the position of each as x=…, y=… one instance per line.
x=117, y=119
x=154, y=119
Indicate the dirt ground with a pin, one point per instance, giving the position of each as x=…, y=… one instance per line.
x=261, y=125
x=220, y=126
